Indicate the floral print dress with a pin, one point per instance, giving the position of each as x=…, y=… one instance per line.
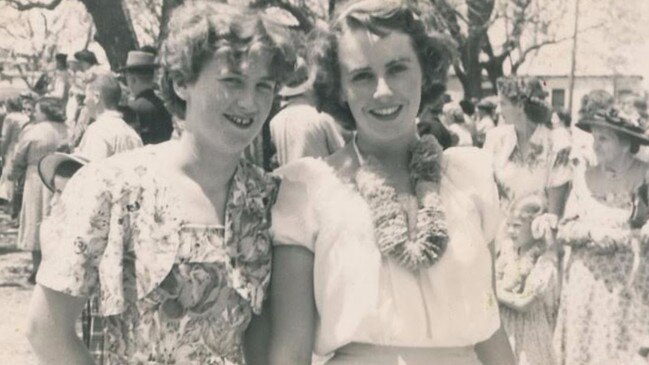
x=171, y=292
x=532, y=274
x=604, y=310
x=545, y=164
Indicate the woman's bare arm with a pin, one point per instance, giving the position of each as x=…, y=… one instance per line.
x=293, y=311
x=51, y=328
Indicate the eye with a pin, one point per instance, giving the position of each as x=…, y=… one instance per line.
x=233, y=81
x=397, y=68
x=362, y=76
x=266, y=86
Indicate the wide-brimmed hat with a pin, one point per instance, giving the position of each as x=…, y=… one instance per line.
x=139, y=60
x=614, y=120
x=48, y=165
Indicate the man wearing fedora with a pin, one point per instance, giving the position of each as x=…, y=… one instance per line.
x=154, y=119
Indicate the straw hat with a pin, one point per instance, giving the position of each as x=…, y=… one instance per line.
x=614, y=120
x=48, y=165
x=139, y=60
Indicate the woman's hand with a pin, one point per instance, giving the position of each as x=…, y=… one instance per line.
x=51, y=329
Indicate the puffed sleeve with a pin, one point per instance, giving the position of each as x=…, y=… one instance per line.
x=472, y=169
x=560, y=167
x=75, y=235
x=293, y=219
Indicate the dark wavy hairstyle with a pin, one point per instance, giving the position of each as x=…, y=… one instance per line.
x=434, y=50
x=53, y=108
x=530, y=93
x=198, y=29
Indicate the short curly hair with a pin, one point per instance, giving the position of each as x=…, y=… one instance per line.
x=435, y=51
x=528, y=92
x=198, y=29
x=53, y=108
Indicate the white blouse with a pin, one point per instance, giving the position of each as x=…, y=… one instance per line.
x=366, y=298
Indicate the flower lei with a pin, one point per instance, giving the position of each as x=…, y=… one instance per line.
x=423, y=249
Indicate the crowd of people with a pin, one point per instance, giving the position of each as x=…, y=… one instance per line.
x=237, y=197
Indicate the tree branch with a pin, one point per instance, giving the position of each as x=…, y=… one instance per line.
x=20, y=5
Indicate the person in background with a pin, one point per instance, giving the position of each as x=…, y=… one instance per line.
x=11, y=128
x=299, y=130
x=429, y=123
x=59, y=86
x=27, y=100
x=527, y=284
x=361, y=265
x=456, y=124
x=109, y=134
x=484, y=121
x=529, y=157
x=153, y=118
x=181, y=227
x=604, y=308
x=89, y=69
x=46, y=135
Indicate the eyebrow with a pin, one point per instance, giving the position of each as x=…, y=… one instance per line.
x=391, y=63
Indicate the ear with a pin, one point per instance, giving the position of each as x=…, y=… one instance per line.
x=180, y=88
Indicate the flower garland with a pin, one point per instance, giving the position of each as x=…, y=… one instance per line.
x=424, y=248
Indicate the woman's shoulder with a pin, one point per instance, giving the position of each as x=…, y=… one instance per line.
x=127, y=170
x=467, y=161
x=306, y=170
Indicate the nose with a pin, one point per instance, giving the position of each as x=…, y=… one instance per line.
x=382, y=88
x=246, y=98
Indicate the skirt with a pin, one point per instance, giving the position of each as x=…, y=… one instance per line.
x=366, y=354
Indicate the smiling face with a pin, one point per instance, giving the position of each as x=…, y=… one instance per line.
x=608, y=146
x=381, y=81
x=227, y=104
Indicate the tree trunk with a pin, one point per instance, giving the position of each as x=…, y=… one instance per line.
x=472, y=68
x=114, y=29
x=167, y=7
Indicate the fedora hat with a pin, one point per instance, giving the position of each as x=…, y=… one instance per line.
x=138, y=60
x=49, y=163
x=618, y=122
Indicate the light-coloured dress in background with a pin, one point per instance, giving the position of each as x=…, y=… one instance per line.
x=38, y=141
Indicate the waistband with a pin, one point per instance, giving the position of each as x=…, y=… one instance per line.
x=361, y=353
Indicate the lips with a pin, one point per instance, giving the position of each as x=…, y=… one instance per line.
x=386, y=113
x=239, y=121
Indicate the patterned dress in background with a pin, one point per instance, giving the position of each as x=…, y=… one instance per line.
x=171, y=292
x=604, y=311
x=530, y=274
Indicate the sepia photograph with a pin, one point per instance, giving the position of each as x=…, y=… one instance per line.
x=324, y=182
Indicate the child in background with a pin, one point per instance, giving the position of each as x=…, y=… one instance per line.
x=526, y=274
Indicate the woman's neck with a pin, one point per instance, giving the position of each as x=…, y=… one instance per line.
x=524, y=130
x=391, y=154
x=619, y=166
x=205, y=164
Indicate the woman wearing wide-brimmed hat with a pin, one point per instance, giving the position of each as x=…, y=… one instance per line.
x=605, y=297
